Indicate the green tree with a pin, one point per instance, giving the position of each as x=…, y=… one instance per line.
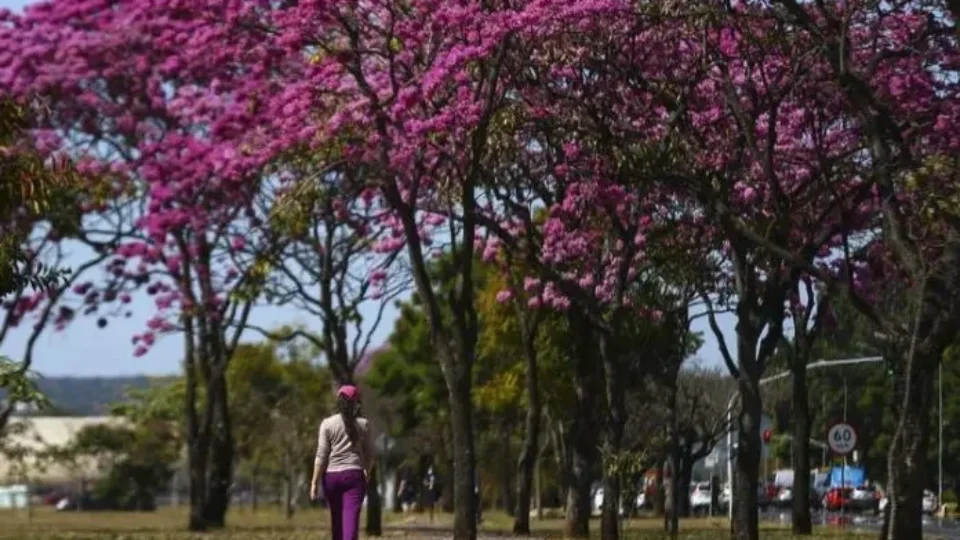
x=30, y=191
x=255, y=379
x=406, y=375
x=277, y=398
x=522, y=369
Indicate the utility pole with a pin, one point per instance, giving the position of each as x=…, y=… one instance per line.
x=823, y=415
x=843, y=471
x=940, y=437
x=819, y=364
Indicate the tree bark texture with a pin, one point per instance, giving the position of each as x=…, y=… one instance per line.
x=374, y=525
x=526, y=467
x=745, y=515
x=464, y=462
x=613, y=440
x=801, y=521
x=220, y=475
x=583, y=432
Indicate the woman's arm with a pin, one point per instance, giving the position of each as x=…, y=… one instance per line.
x=322, y=457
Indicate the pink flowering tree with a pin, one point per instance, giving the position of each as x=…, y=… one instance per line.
x=898, y=77
x=118, y=90
x=783, y=175
x=601, y=250
x=712, y=135
x=412, y=90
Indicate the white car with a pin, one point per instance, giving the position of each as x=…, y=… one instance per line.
x=700, y=497
x=865, y=498
x=929, y=502
x=784, y=497
x=598, y=502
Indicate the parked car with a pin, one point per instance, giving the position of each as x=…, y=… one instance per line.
x=930, y=505
x=52, y=498
x=597, y=509
x=861, y=499
x=866, y=498
x=700, y=498
x=642, y=501
x=784, y=499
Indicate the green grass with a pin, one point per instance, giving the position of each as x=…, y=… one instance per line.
x=168, y=524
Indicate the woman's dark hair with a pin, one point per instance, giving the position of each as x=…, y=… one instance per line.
x=349, y=410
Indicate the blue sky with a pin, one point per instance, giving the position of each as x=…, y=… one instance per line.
x=13, y=4
x=84, y=349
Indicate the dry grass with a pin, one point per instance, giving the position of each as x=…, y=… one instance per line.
x=168, y=524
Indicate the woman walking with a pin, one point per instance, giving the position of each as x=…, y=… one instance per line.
x=344, y=459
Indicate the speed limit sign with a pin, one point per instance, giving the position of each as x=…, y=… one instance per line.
x=842, y=438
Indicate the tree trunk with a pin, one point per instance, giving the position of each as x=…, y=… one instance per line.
x=464, y=462
x=802, y=524
x=562, y=456
x=672, y=515
x=583, y=449
x=685, y=476
x=221, y=453
x=583, y=433
x=288, y=494
x=906, y=466
x=374, y=526
x=934, y=330
x=531, y=442
x=610, y=516
x=745, y=515
x=537, y=483
x=616, y=418
x=577, y=524
x=254, y=488
x=659, y=500
x=196, y=434
x=672, y=501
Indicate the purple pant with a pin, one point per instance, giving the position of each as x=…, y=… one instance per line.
x=345, y=491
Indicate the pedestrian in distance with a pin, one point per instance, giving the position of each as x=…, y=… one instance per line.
x=431, y=491
x=407, y=492
x=345, y=456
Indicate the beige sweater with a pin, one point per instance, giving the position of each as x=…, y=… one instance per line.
x=335, y=452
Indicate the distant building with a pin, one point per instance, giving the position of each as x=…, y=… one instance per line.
x=33, y=435
x=16, y=496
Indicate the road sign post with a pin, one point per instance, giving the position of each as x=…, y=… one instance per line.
x=842, y=439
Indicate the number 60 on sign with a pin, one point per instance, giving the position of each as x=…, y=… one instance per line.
x=842, y=438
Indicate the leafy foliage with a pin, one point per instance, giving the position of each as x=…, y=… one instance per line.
x=29, y=192
x=20, y=386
